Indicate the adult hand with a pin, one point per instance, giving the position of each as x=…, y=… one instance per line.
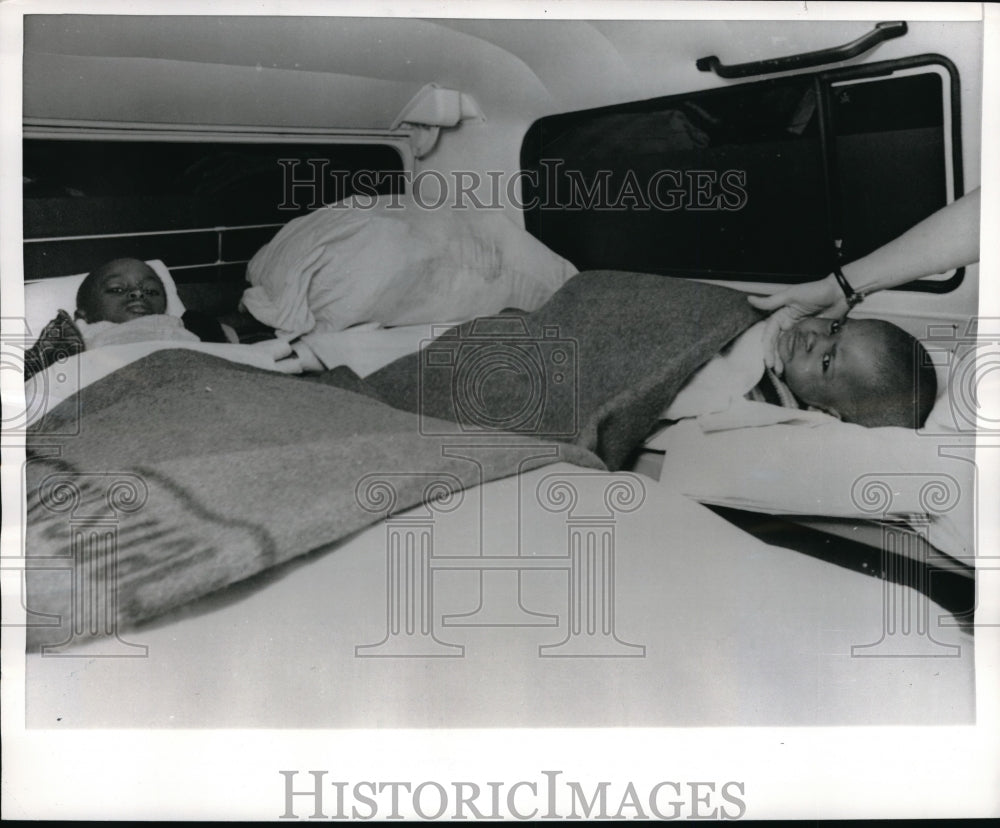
x=793, y=304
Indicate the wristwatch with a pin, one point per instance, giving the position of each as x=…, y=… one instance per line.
x=850, y=294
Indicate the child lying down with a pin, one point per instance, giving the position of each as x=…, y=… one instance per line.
x=864, y=371
x=630, y=342
x=123, y=302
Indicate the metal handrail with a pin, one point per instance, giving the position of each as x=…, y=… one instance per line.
x=881, y=32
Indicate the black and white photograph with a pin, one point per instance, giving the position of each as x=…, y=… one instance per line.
x=471, y=411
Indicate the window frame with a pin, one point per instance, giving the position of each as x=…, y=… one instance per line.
x=134, y=133
x=825, y=80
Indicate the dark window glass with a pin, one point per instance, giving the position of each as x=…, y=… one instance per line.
x=889, y=157
x=97, y=187
x=752, y=182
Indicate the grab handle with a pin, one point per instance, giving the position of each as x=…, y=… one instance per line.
x=881, y=32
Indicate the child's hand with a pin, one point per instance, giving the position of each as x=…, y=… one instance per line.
x=306, y=357
x=793, y=304
x=278, y=355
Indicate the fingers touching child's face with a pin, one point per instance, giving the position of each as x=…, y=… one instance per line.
x=124, y=289
x=829, y=365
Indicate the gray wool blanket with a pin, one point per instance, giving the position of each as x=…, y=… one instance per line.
x=595, y=366
x=189, y=473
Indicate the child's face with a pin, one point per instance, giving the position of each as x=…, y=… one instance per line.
x=125, y=289
x=829, y=365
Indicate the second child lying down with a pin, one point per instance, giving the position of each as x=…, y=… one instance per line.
x=864, y=371
x=124, y=302
x=617, y=334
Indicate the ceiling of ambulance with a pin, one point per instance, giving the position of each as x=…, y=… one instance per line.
x=360, y=73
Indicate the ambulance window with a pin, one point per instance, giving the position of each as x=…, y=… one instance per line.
x=190, y=203
x=757, y=182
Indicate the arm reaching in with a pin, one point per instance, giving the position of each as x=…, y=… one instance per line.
x=947, y=239
x=793, y=304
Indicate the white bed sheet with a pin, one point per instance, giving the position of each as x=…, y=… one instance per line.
x=734, y=631
x=61, y=380
x=364, y=349
x=832, y=470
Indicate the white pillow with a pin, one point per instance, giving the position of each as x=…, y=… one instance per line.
x=834, y=469
x=44, y=298
x=397, y=262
